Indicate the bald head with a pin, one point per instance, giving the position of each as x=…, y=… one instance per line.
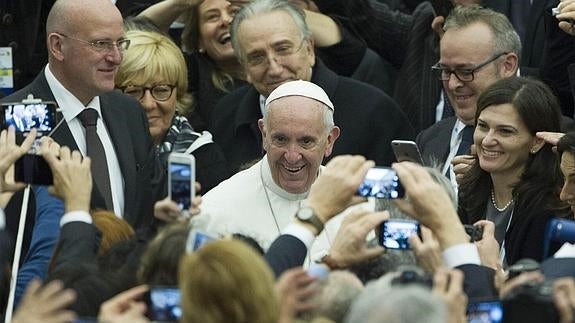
x=66, y=15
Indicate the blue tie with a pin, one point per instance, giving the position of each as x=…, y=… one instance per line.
x=466, y=141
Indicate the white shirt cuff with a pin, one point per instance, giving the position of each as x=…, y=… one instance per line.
x=301, y=233
x=461, y=254
x=75, y=216
x=2, y=219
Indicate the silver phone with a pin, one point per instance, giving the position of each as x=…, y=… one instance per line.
x=181, y=178
x=406, y=150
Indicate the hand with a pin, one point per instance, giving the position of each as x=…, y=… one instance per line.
x=426, y=250
x=45, y=304
x=294, y=289
x=448, y=285
x=461, y=164
x=523, y=278
x=567, y=14
x=429, y=204
x=349, y=246
x=488, y=247
x=71, y=173
x=125, y=307
x=9, y=153
x=564, y=298
x=334, y=190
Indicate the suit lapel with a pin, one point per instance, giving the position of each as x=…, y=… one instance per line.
x=117, y=125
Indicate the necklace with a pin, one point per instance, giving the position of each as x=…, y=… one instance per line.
x=268, y=198
x=495, y=204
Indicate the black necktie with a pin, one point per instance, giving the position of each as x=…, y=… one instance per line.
x=466, y=141
x=96, y=152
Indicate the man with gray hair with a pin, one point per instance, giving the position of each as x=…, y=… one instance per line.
x=274, y=45
x=297, y=132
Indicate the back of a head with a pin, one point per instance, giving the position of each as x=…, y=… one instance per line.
x=505, y=38
x=160, y=262
x=154, y=56
x=113, y=229
x=227, y=281
x=397, y=304
x=338, y=292
x=259, y=7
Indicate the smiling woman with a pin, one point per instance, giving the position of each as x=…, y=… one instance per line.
x=154, y=72
x=516, y=180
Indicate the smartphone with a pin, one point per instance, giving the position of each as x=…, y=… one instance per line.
x=181, y=178
x=196, y=239
x=33, y=169
x=406, y=150
x=485, y=312
x=394, y=234
x=381, y=183
x=475, y=233
x=27, y=116
x=163, y=303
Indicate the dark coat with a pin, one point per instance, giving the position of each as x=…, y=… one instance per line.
x=369, y=120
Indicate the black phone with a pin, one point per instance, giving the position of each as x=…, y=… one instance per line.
x=475, y=233
x=406, y=150
x=33, y=169
x=490, y=311
x=395, y=233
x=381, y=183
x=27, y=116
x=163, y=303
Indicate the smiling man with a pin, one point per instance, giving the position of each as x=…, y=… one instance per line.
x=297, y=131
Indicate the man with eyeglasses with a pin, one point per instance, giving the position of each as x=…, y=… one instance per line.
x=85, y=40
x=273, y=43
x=478, y=48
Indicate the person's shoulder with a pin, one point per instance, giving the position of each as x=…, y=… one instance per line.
x=240, y=183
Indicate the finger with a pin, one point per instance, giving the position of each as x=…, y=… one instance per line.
x=455, y=279
x=371, y=221
x=563, y=306
x=488, y=228
x=440, y=282
x=415, y=243
x=405, y=207
x=76, y=156
x=198, y=187
x=65, y=153
x=28, y=142
x=473, y=150
x=372, y=252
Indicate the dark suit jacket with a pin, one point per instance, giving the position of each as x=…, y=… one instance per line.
x=434, y=141
x=285, y=252
x=533, y=42
x=368, y=118
x=128, y=129
x=407, y=42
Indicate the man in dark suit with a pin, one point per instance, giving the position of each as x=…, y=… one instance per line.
x=478, y=48
x=278, y=53
x=85, y=42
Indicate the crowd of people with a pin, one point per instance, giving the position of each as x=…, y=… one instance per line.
x=286, y=105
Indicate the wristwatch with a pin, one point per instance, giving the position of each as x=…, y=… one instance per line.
x=307, y=214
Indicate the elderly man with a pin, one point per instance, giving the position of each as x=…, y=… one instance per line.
x=297, y=131
x=274, y=44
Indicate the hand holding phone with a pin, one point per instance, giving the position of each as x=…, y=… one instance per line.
x=181, y=179
x=395, y=233
x=382, y=183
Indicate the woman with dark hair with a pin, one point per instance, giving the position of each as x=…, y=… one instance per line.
x=516, y=180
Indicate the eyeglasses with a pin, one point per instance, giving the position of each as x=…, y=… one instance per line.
x=464, y=74
x=280, y=52
x=160, y=92
x=102, y=45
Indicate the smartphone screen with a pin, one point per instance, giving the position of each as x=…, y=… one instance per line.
x=395, y=234
x=164, y=304
x=181, y=183
x=485, y=312
x=25, y=117
x=196, y=239
x=381, y=183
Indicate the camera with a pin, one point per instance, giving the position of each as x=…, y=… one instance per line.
x=488, y=311
x=475, y=233
x=382, y=183
x=163, y=304
x=25, y=116
x=532, y=301
x=394, y=233
x=412, y=275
